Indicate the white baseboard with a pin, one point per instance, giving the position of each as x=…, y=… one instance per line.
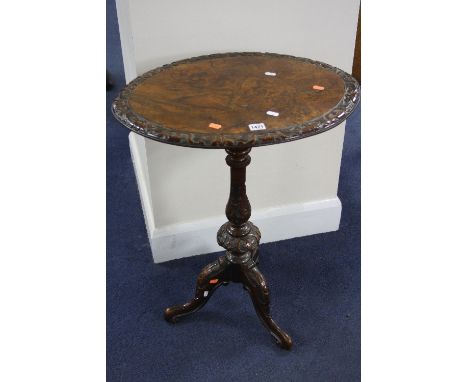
x=199, y=237
x=138, y=153
x=275, y=224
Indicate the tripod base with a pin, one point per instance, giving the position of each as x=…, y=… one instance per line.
x=240, y=238
x=221, y=272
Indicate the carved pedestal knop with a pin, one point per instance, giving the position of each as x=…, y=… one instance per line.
x=240, y=238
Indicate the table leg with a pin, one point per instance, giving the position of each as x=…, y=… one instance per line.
x=210, y=278
x=255, y=283
x=240, y=238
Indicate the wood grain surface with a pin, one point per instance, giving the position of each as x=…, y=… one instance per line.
x=211, y=101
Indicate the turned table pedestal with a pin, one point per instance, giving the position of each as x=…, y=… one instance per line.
x=236, y=101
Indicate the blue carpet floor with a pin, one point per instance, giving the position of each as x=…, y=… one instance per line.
x=314, y=283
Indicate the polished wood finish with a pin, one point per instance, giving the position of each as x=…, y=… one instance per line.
x=234, y=92
x=209, y=102
x=240, y=238
x=178, y=102
x=357, y=51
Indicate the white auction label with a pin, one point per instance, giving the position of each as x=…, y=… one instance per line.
x=257, y=126
x=273, y=113
x=270, y=74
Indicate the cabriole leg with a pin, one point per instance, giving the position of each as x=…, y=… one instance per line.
x=210, y=278
x=240, y=238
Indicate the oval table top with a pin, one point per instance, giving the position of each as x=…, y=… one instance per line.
x=237, y=100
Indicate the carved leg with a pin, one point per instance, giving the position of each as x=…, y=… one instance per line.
x=240, y=238
x=210, y=278
x=255, y=256
x=255, y=284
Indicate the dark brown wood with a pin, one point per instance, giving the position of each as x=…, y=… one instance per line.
x=241, y=239
x=177, y=103
x=357, y=51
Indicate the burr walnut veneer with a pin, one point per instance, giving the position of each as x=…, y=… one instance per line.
x=236, y=101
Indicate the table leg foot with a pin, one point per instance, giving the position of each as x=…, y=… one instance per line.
x=210, y=278
x=255, y=283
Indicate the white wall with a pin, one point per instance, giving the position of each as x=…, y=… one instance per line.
x=292, y=187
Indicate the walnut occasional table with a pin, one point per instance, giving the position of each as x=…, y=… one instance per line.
x=236, y=101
